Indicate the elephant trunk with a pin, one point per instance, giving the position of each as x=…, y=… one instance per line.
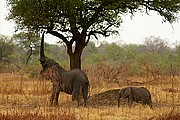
x=42, y=55
x=118, y=100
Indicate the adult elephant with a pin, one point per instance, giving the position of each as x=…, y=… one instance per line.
x=137, y=94
x=74, y=82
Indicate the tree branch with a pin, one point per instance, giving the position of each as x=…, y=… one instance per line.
x=163, y=12
x=55, y=33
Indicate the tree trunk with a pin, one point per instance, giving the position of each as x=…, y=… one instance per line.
x=80, y=43
x=75, y=56
x=75, y=60
x=27, y=60
x=1, y=55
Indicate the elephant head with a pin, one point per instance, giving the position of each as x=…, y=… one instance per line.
x=125, y=93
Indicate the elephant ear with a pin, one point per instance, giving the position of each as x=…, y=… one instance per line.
x=51, y=73
x=127, y=92
x=119, y=93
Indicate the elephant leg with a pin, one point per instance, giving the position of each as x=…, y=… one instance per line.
x=79, y=101
x=56, y=98
x=85, y=92
x=130, y=101
x=150, y=103
x=80, y=93
x=118, y=102
x=144, y=101
x=76, y=94
x=55, y=93
x=52, y=98
x=147, y=101
x=85, y=101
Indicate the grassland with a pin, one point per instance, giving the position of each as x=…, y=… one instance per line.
x=24, y=98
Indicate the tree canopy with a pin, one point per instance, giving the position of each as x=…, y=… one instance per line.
x=75, y=22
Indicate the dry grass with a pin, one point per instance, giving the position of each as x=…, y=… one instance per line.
x=23, y=98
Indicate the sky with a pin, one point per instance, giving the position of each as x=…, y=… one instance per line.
x=132, y=31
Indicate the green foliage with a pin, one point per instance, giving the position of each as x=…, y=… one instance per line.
x=93, y=58
x=26, y=40
x=178, y=49
x=171, y=64
x=33, y=70
x=64, y=63
x=90, y=49
x=75, y=22
x=149, y=59
x=86, y=14
x=91, y=54
x=29, y=42
x=113, y=52
x=6, y=48
x=131, y=60
x=57, y=52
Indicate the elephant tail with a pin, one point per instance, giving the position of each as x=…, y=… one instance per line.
x=88, y=90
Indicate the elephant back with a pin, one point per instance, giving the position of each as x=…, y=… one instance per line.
x=141, y=94
x=143, y=91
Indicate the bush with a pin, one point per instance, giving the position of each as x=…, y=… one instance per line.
x=33, y=69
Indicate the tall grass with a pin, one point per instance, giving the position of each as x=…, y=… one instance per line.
x=24, y=98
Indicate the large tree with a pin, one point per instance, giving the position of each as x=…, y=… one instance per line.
x=75, y=22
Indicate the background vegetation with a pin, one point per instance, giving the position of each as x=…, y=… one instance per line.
x=75, y=22
x=154, y=58
x=155, y=64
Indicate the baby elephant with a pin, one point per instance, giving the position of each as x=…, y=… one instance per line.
x=137, y=94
